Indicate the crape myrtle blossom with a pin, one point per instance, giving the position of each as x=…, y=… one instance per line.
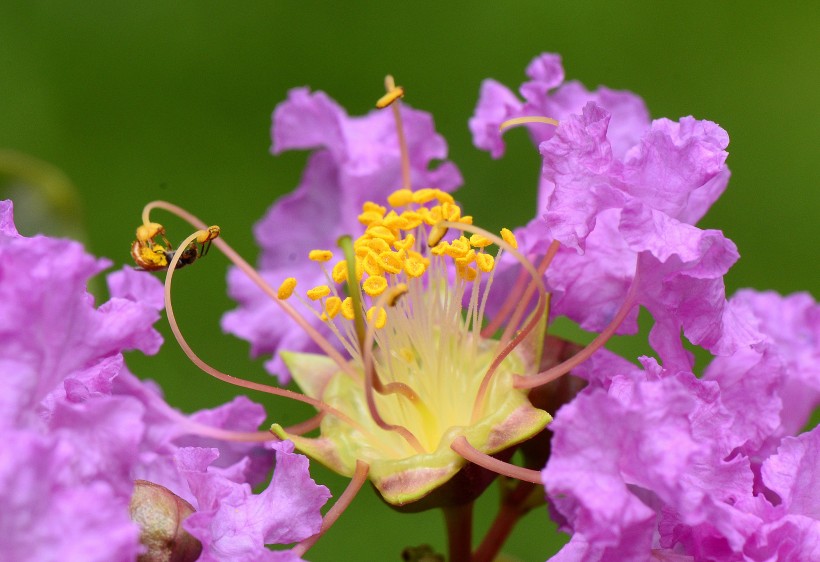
x=653, y=462
x=353, y=160
x=416, y=394
x=79, y=428
x=621, y=194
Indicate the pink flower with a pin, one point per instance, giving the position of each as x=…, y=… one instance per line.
x=620, y=194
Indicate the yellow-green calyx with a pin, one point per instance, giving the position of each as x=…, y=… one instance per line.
x=420, y=298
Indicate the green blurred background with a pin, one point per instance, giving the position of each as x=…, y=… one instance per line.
x=137, y=101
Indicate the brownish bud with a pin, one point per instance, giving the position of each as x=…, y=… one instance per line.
x=159, y=514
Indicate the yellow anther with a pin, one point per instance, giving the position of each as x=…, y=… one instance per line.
x=332, y=306
x=405, y=243
x=432, y=215
x=425, y=195
x=414, y=267
x=509, y=237
x=370, y=263
x=458, y=248
x=378, y=245
x=394, y=222
x=390, y=97
x=444, y=197
x=370, y=217
x=208, y=234
x=468, y=219
x=412, y=218
x=396, y=293
x=347, y=308
x=450, y=212
x=467, y=258
x=380, y=314
x=286, y=288
x=479, y=241
x=361, y=246
x=318, y=292
x=374, y=285
x=147, y=232
x=435, y=236
x=370, y=206
x=391, y=262
x=320, y=255
x=485, y=262
x=381, y=232
x=400, y=198
x=439, y=249
x=467, y=273
x=339, y=272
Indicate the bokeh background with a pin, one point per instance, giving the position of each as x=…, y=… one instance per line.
x=129, y=102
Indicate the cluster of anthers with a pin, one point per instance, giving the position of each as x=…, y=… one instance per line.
x=425, y=389
x=396, y=249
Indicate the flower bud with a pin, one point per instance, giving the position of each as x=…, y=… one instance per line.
x=159, y=514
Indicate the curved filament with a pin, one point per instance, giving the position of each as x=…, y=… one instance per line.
x=196, y=360
x=254, y=276
x=461, y=446
x=531, y=381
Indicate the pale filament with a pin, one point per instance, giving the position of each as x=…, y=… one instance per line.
x=481, y=395
x=562, y=369
x=254, y=276
x=370, y=378
x=526, y=121
x=390, y=85
x=196, y=360
x=506, y=307
x=523, y=302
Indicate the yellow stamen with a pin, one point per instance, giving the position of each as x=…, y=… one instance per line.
x=414, y=267
x=374, y=285
x=391, y=262
x=318, y=292
x=391, y=96
x=485, y=262
x=339, y=272
x=347, y=309
x=286, y=288
x=479, y=241
x=320, y=255
x=509, y=238
x=333, y=305
x=380, y=314
x=400, y=198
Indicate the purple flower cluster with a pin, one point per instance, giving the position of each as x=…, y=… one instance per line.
x=78, y=428
x=652, y=460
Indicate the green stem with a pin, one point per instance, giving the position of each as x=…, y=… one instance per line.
x=459, y=520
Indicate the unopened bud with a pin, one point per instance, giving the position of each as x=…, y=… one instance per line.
x=159, y=514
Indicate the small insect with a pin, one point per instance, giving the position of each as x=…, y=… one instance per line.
x=151, y=256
